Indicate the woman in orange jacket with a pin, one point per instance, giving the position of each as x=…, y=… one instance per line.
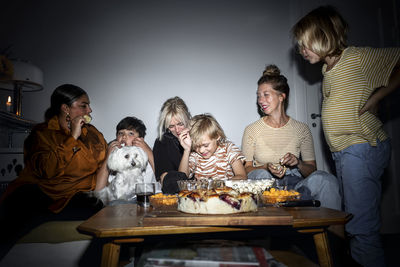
x=64, y=158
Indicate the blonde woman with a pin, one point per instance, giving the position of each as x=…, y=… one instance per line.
x=174, y=118
x=278, y=146
x=355, y=80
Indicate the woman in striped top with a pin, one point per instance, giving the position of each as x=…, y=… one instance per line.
x=279, y=146
x=359, y=145
x=207, y=153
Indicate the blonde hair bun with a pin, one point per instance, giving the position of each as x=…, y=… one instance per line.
x=271, y=70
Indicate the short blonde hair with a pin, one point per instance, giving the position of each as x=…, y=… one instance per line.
x=205, y=124
x=172, y=107
x=323, y=31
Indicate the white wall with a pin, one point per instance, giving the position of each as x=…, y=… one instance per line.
x=130, y=56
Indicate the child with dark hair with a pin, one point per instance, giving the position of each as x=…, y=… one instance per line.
x=131, y=132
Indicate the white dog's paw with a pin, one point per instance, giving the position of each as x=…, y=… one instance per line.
x=105, y=195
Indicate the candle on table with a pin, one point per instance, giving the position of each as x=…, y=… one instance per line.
x=8, y=104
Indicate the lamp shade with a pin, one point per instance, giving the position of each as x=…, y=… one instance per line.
x=20, y=76
x=27, y=75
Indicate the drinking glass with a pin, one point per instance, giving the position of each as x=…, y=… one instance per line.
x=143, y=193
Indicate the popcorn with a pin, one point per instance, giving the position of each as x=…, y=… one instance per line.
x=251, y=186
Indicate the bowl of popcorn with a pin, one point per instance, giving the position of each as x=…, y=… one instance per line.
x=257, y=187
x=163, y=200
x=274, y=195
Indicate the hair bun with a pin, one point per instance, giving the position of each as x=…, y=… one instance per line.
x=271, y=70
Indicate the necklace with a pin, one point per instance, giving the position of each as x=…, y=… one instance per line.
x=331, y=62
x=282, y=122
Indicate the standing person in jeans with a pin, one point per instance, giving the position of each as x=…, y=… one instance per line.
x=278, y=146
x=355, y=80
x=167, y=151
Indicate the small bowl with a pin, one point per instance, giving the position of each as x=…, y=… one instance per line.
x=161, y=200
x=274, y=196
x=257, y=187
x=200, y=184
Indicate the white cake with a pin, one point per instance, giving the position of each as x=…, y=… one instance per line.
x=216, y=201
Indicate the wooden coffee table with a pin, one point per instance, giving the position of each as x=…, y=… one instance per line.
x=129, y=223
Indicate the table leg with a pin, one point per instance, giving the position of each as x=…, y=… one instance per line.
x=323, y=250
x=110, y=255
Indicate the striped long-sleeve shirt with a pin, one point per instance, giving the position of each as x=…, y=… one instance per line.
x=219, y=165
x=347, y=87
x=262, y=143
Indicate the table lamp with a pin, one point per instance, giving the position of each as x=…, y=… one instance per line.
x=19, y=76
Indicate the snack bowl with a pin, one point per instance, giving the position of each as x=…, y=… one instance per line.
x=257, y=187
x=273, y=195
x=160, y=200
x=200, y=184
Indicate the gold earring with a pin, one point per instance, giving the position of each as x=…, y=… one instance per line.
x=68, y=119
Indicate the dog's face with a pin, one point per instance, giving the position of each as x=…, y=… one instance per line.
x=126, y=158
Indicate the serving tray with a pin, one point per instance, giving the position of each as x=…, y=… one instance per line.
x=264, y=216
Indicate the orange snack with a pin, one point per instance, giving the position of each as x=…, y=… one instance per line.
x=161, y=199
x=276, y=195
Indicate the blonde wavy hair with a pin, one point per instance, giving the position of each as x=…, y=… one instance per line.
x=205, y=125
x=172, y=107
x=323, y=31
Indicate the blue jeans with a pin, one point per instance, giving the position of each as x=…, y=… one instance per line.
x=359, y=169
x=318, y=185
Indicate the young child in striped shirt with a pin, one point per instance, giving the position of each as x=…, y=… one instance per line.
x=207, y=152
x=355, y=80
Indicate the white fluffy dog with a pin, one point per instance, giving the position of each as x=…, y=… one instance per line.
x=128, y=167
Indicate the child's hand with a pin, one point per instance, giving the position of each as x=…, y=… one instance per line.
x=139, y=142
x=185, y=140
x=112, y=146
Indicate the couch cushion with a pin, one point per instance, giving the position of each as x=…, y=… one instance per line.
x=55, y=232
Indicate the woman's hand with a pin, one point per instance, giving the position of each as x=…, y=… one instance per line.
x=279, y=169
x=76, y=126
x=185, y=140
x=289, y=160
x=305, y=167
x=371, y=105
x=276, y=169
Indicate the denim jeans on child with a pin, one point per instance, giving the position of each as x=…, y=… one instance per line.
x=318, y=185
x=359, y=169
